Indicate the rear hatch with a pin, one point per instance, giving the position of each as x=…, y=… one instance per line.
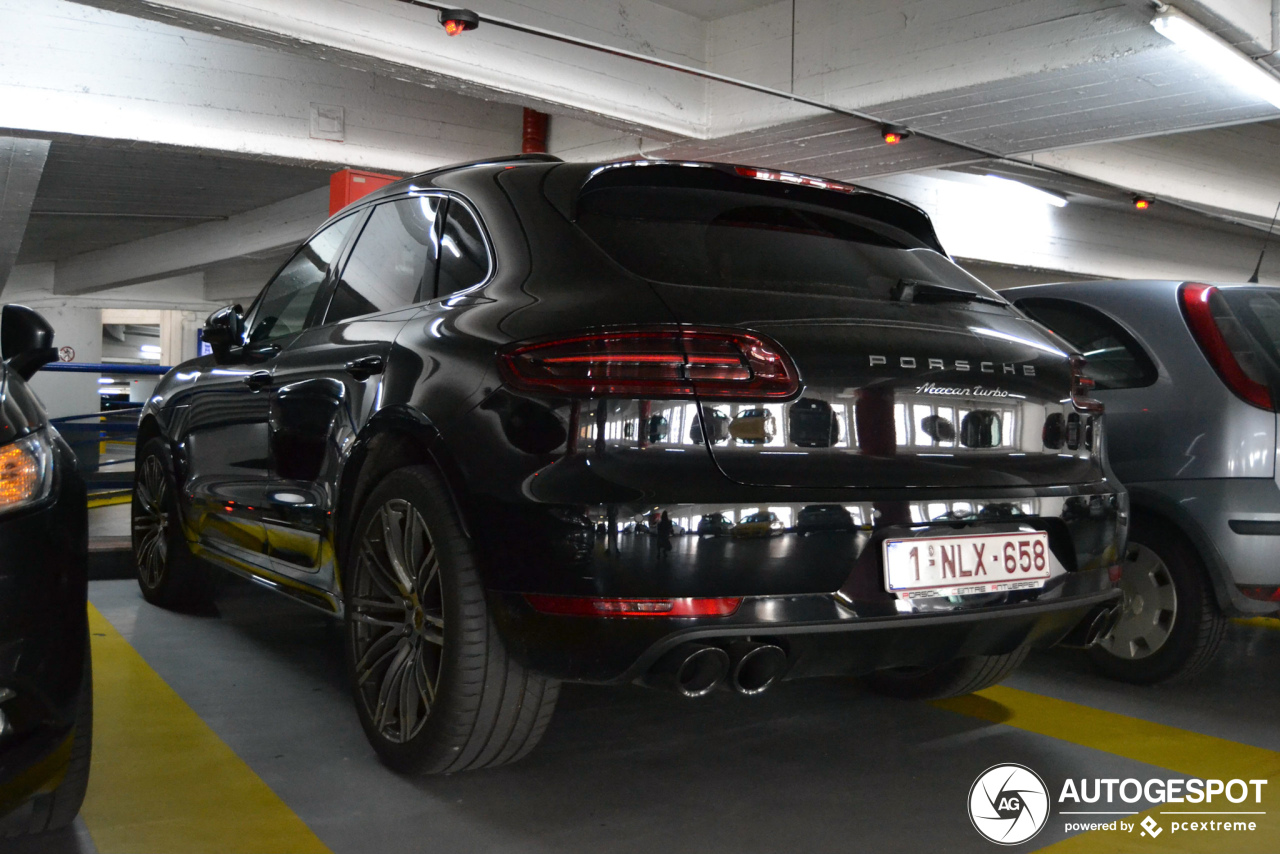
x=913, y=373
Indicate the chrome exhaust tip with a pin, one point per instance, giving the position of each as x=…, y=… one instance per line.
x=755, y=666
x=691, y=669
x=1095, y=626
x=1102, y=625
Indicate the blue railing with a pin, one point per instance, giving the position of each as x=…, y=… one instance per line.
x=104, y=441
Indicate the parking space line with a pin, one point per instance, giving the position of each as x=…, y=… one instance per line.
x=1181, y=751
x=162, y=781
x=1258, y=622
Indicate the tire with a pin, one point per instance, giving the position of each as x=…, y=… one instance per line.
x=1170, y=627
x=168, y=574
x=57, y=809
x=469, y=704
x=953, y=679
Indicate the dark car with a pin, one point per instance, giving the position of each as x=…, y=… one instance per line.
x=46, y=693
x=399, y=428
x=823, y=517
x=714, y=525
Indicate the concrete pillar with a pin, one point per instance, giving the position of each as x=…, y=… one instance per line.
x=64, y=393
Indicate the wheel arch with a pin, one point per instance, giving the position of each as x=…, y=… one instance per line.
x=1152, y=506
x=395, y=437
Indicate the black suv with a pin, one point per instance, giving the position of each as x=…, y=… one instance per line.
x=442, y=416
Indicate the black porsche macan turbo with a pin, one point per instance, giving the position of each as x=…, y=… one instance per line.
x=478, y=411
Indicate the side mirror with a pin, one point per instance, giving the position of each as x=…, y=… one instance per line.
x=26, y=340
x=223, y=330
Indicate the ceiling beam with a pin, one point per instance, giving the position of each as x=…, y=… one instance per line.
x=269, y=229
x=21, y=165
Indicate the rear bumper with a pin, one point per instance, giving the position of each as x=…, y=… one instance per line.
x=43, y=632
x=821, y=594
x=1234, y=523
x=821, y=635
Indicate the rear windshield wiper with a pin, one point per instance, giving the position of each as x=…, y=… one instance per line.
x=910, y=290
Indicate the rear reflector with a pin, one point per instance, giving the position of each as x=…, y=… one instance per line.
x=1225, y=343
x=654, y=362
x=1264, y=594
x=587, y=606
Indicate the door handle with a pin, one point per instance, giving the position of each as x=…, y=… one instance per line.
x=365, y=367
x=258, y=380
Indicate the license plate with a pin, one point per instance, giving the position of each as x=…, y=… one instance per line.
x=955, y=566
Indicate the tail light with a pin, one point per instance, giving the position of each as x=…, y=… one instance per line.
x=654, y=362
x=588, y=606
x=1261, y=593
x=1225, y=343
x=1082, y=388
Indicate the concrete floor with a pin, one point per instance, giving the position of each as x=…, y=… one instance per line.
x=808, y=767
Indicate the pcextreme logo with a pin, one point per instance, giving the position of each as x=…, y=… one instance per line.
x=1010, y=803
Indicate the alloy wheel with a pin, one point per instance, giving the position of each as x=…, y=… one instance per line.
x=396, y=620
x=1149, y=607
x=151, y=522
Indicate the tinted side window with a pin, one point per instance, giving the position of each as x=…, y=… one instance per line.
x=1115, y=360
x=393, y=263
x=287, y=300
x=464, y=258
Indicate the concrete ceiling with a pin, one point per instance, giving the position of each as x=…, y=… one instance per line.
x=711, y=10
x=95, y=194
x=208, y=100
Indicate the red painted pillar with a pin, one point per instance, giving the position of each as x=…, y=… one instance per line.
x=535, y=132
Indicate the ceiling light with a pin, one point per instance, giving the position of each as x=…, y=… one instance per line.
x=150, y=350
x=1217, y=55
x=1026, y=191
x=458, y=21
x=892, y=135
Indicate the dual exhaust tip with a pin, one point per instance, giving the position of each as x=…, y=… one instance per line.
x=1096, y=625
x=695, y=669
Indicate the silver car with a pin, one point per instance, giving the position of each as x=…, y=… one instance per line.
x=1190, y=375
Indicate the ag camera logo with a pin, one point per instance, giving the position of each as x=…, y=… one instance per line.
x=1009, y=804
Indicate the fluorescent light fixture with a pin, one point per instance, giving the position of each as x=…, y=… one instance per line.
x=1025, y=191
x=150, y=350
x=1217, y=55
x=105, y=381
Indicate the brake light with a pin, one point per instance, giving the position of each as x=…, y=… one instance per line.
x=589, y=606
x=1224, y=343
x=1082, y=388
x=793, y=178
x=654, y=362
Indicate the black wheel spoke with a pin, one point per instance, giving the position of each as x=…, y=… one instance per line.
x=395, y=614
x=150, y=521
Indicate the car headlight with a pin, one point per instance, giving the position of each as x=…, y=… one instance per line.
x=26, y=471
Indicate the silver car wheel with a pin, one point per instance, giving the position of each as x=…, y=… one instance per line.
x=151, y=522
x=396, y=620
x=1149, y=608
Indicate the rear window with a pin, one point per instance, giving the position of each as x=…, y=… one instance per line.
x=1258, y=311
x=702, y=228
x=1114, y=360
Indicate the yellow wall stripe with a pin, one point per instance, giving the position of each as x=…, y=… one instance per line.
x=1178, y=750
x=161, y=781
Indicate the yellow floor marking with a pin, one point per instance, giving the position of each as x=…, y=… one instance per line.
x=1258, y=622
x=109, y=499
x=162, y=782
x=1178, y=750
